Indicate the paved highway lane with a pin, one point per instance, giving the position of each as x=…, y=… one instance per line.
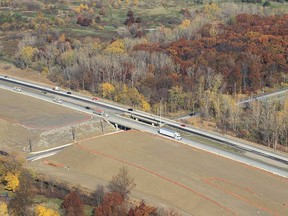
x=280, y=93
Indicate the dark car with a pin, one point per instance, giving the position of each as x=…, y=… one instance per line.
x=183, y=125
x=130, y=109
x=87, y=107
x=69, y=93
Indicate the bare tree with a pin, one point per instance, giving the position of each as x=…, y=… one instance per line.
x=122, y=183
x=98, y=195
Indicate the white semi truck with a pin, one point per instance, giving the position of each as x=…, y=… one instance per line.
x=170, y=133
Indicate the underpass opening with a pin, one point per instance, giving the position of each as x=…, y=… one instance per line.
x=121, y=127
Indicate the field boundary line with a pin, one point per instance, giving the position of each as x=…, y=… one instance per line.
x=235, y=195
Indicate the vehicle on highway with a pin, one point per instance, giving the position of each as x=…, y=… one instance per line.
x=56, y=88
x=194, y=114
x=101, y=112
x=183, y=125
x=130, y=109
x=17, y=89
x=95, y=99
x=57, y=100
x=170, y=133
x=87, y=107
x=44, y=92
x=69, y=92
x=6, y=76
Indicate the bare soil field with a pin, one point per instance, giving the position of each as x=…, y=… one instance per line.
x=33, y=113
x=170, y=174
x=24, y=118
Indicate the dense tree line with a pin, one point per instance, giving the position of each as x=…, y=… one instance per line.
x=251, y=53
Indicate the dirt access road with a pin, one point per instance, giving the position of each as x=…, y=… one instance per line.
x=171, y=174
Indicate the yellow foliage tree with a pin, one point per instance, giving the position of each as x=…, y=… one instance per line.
x=185, y=23
x=68, y=58
x=212, y=9
x=3, y=209
x=135, y=2
x=62, y=38
x=43, y=211
x=107, y=90
x=26, y=56
x=77, y=10
x=214, y=30
x=117, y=47
x=11, y=181
x=45, y=71
x=145, y=105
x=131, y=96
x=84, y=7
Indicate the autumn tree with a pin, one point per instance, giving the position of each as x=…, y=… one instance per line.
x=72, y=204
x=10, y=167
x=22, y=200
x=113, y=205
x=25, y=56
x=122, y=183
x=41, y=210
x=176, y=99
x=185, y=23
x=143, y=210
x=116, y=47
x=11, y=181
x=3, y=209
x=107, y=90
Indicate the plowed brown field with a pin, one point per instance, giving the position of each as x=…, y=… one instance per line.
x=170, y=174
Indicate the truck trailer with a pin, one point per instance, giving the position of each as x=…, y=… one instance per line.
x=170, y=133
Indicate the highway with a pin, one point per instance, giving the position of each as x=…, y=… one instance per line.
x=276, y=94
x=277, y=166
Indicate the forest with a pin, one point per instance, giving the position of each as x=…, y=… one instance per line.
x=204, y=59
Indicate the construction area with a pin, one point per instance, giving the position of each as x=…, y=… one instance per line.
x=167, y=173
x=170, y=174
